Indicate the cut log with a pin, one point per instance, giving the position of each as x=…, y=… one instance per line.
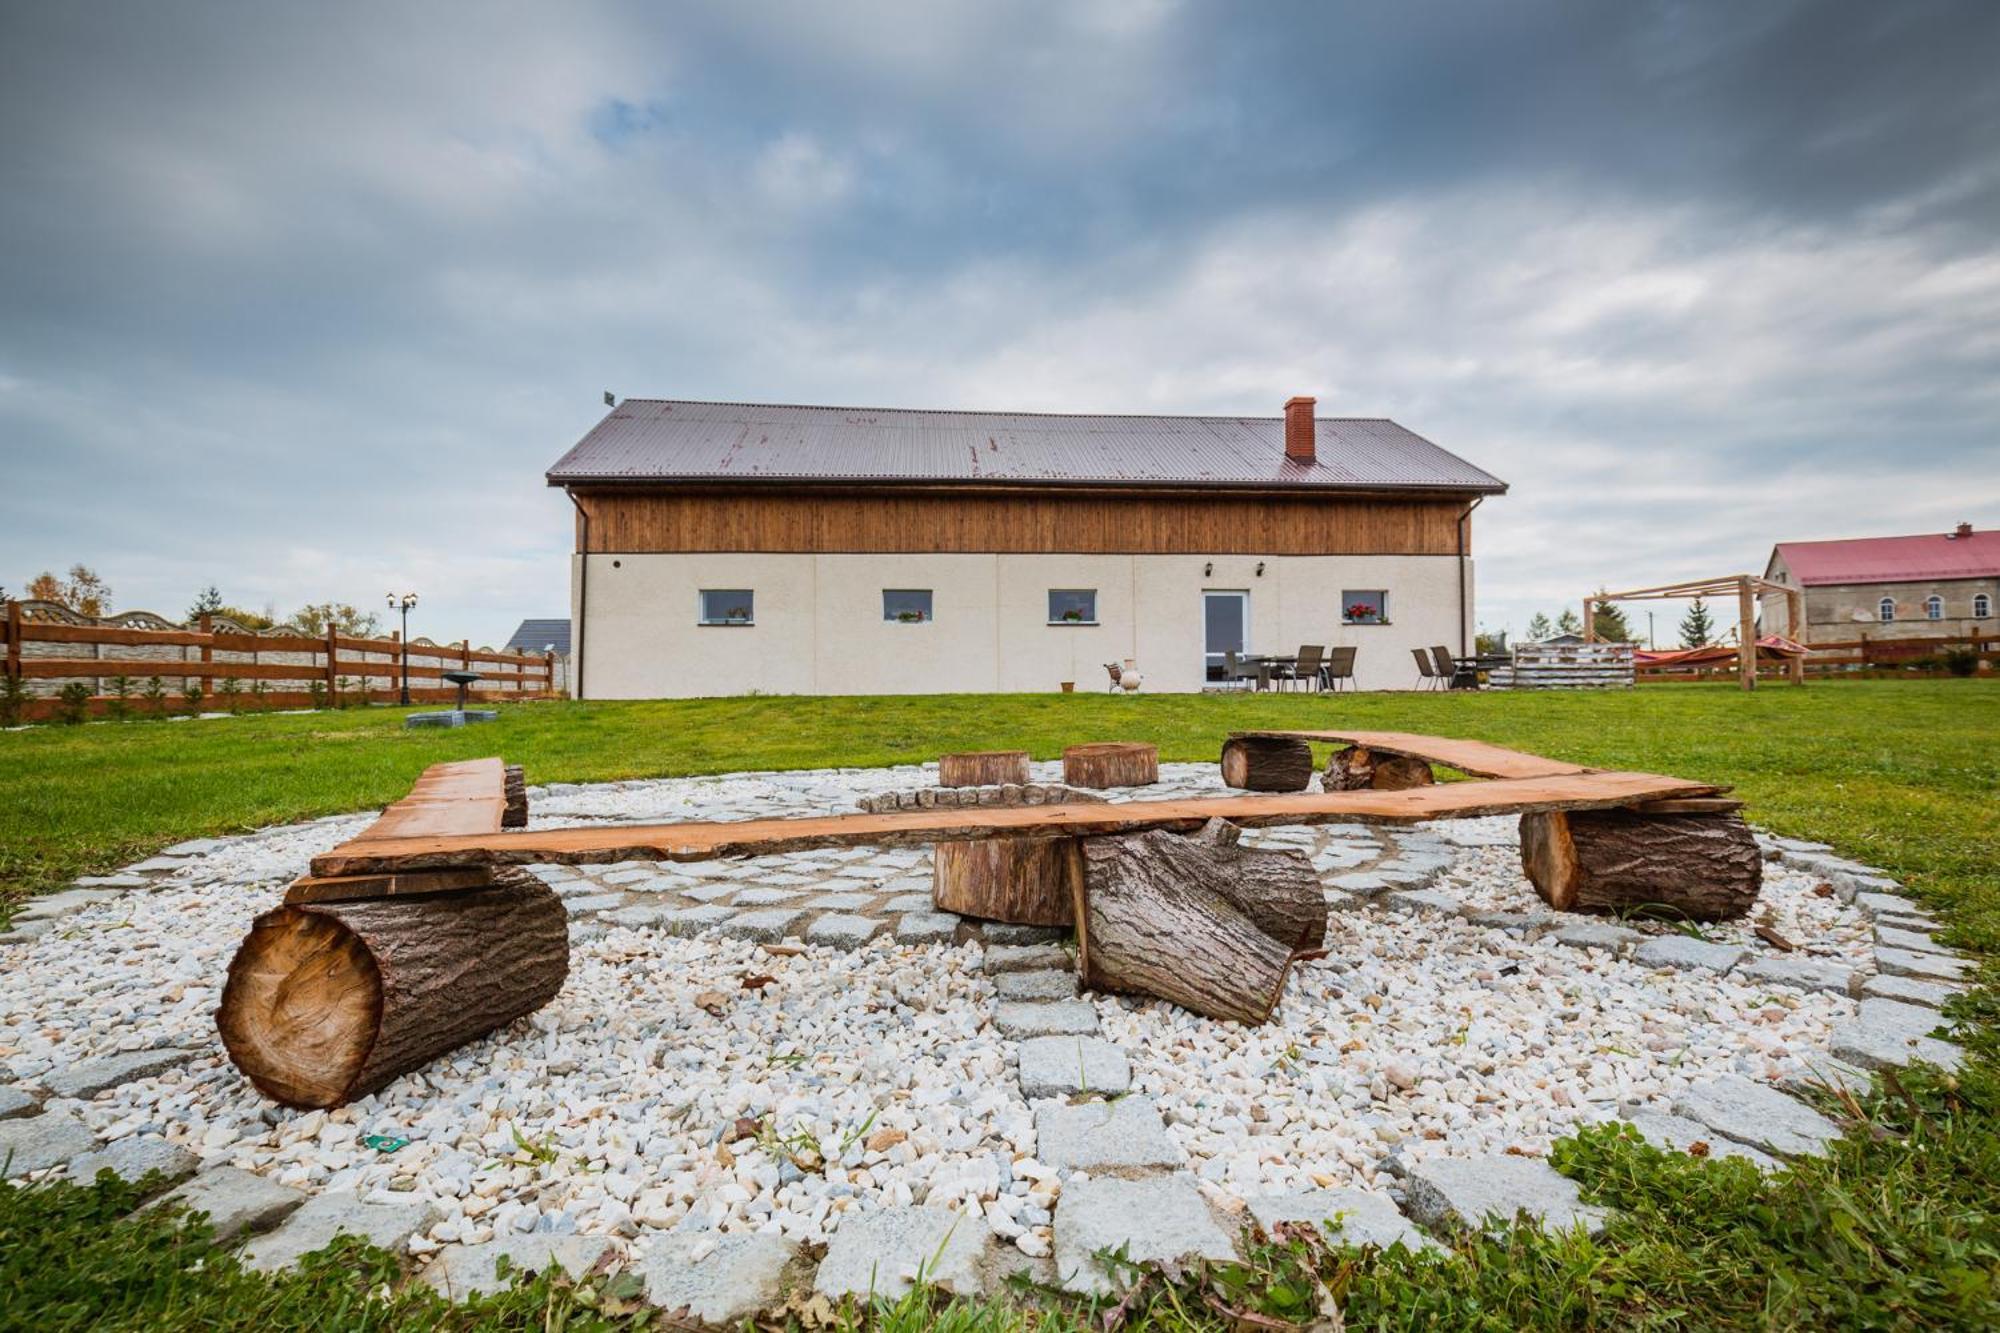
x=515, y=788
x=327, y=1002
x=1357, y=767
x=1696, y=867
x=1266, y=763
x=983, y=768
x=1024, y=881
x=1112, y=764
x=1195, y=921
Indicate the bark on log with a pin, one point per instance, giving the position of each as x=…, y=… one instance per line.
x=1266, y=763
x=327, y=1002
x=1699, y=867
x=515, y=788
x=1024, y=881
x=1112, y=764
x=1357, y=767
x=1211, y=927
x=983, y=768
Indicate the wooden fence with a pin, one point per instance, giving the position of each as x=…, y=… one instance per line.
x=1864, y=657
x=238, y=668
x=1566, y=666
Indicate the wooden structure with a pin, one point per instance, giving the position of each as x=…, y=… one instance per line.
x=46, y=645
x=983, y=768
x=1695, y=861
x=415, y=937
x=356, y=980
x=1747, y=588
x=1112, y=764
x=1566, y=666
x=1266, y=763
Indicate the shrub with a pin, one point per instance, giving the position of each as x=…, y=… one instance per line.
x=228, y=692
x=121, y=698
x=316, y=693
x=257, y=691
x=155, y=695
x=13, y=700
x=73, y=703
x=1960, y=661
x=191, y=694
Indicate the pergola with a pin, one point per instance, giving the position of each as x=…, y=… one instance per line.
x=1747, y=587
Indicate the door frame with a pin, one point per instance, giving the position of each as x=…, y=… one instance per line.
x=1242, y=596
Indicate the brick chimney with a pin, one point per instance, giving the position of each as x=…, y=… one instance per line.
x=1299, y=429
x=1964, y=529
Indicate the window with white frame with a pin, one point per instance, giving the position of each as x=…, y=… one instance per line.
x=728, y=606
x=906, y=606
x=1886, y=609
x=1366, y=606
x=1072, y=606
x=1982, y=607
x=1934, y=607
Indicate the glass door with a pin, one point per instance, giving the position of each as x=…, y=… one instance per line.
x=1225, y=619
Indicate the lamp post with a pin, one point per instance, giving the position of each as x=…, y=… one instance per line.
x=403, y=602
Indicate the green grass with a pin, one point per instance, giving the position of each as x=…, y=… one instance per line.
x=1898, y=1228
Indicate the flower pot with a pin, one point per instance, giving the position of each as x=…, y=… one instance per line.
x=1069, y=687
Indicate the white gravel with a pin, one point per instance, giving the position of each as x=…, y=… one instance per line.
x=603, y=1113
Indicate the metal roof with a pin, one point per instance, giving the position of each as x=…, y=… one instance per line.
x=1918, y=559
x=535, y=635
x=660, y=440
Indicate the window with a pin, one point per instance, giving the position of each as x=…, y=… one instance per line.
x=1934, y=607
x=1368, y=606
x=728, y=606
x=1982, y=607
x=1886, y=609
x=1072, y=606
x=906, y=606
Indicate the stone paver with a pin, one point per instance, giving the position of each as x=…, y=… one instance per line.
x=156, y=865
x=1884, y=904
x=1026, y=958
x=36, y=1142
x=707, y=893
x=1044, y=1018
x=1104, y=1138
x=638, y=918
x=1680, y=1134
x=1001, y=932
x=1160, y=1220
x=592, y=902
x=1916, y=941
x=839, y=902
x=1062, y=1066
x=1364, y=882
x=766, y=926
x=460, y=1271
x=765, y=897
x=1887, y=1034
x=1688, y=954
x=325, y=1216
x=1421, y=900
x=1598, y=935
x=927, y=927
x=1809, y=974
x=131, y=1158
x=1927, y=966
x=1533, y=919
x=722, y=1280
x=15, y=1103
x=113, y=882
x=1757, y=1114
x=1356, y=1217
x=884, y=1252
x=235, y=1200
x=91, y=1077
x=60, y=904
x=1823, y=1073
x=1464, y=1191
x=1035, y=985
x=910, y=902
x=842, y=931
x=1910, y=990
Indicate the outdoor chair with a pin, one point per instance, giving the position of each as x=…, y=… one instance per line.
x=1427, y=676
x=1117, y=675
x=1447, y=668
x=1305, y=668
x=1235, y=670
x=1339, y=666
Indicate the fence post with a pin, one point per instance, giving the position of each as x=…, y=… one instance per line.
x=13, y=639
x=332, y=665
x=204, y=624
x=549, y=672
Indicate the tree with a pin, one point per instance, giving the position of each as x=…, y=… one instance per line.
x=314, y=617
x=1696, y=626
x=1539, y=628
x=1569, y=622
x=82, y=592
x=206, y=603
x=1608, y=622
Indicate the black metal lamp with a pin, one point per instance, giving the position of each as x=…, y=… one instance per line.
x=403, y=602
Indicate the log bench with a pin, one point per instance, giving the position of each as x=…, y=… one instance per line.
x=421, y=934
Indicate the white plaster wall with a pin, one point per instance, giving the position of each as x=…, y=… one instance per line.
x=820, y=630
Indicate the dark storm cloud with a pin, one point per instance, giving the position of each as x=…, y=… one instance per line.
x=302, y=302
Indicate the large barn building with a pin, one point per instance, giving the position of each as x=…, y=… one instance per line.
x=723, y=548
x=1928, y=585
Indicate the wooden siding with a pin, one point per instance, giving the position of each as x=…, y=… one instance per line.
x=1019, y=522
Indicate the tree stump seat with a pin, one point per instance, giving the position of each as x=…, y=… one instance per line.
x=1112, y=764
x=1021, y=881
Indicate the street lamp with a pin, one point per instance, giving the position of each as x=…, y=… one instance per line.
x=403, y=602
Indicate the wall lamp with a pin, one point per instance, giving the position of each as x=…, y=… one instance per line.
x=1260, y=569
x=1208, y=570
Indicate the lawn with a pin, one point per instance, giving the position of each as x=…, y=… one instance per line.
x=1900, y=1227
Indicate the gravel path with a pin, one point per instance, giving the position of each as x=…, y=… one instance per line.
x=871, y=1068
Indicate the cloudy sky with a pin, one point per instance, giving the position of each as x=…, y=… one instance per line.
x=302, y=302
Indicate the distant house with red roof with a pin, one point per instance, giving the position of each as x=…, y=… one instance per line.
x=1922, y=586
